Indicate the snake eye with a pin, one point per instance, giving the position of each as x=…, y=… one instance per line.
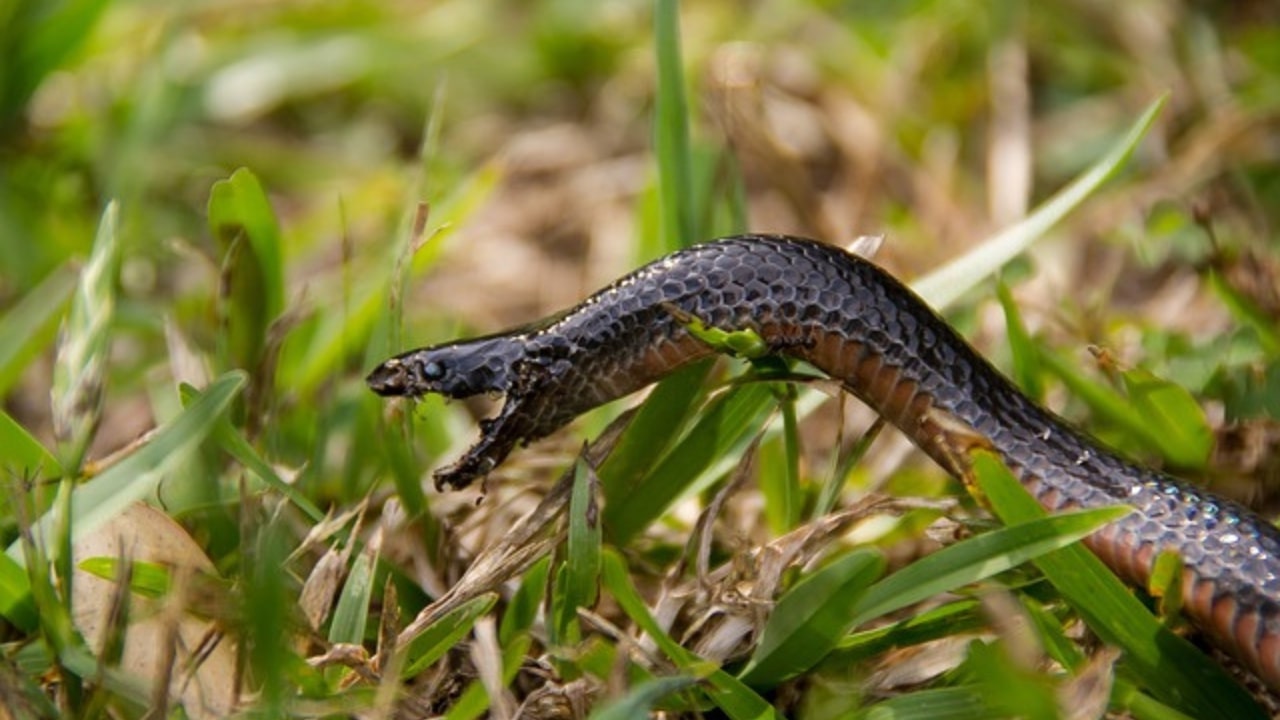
x=433, y=370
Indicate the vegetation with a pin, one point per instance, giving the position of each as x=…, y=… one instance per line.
x=216, y=217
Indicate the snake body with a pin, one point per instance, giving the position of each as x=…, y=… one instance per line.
x=862, y=327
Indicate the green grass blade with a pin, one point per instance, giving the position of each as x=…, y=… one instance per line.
x=1172, y=415
x=779, y=469
x=475, y=699
x=443, y=634
x=1053, y=637
x=640, y=701
x=56, y=628
x=1165, y=664
x=15, y=595
x=582, y=567
x=351, y=613
x=29, y=326
x=945, y=285
x=732, y=695
x=45, y=35
x=248, y=234
x=23, y=455
x=523, y=608
x=811, y=618
x=137, y=475
x=322, y=352
x=956, y=703
x=150, y=580
x=1012, y=689
x=671, y=134
x=265, y=606
x=978, y=558
x=1126, y=415
x=950, y=619
x=1141, y=706
x=657, y=423
x=1247, y=313
x=1027, y=372
x=723, y=430
x=235, y=445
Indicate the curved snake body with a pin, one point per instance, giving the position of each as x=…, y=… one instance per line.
x=862, y=327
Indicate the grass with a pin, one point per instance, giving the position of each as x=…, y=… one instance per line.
x=215, y=218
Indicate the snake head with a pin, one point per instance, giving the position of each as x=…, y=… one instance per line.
x=455, y=370
x=462, y=369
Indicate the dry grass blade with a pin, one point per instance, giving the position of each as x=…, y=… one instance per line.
x=720, y=610
x=529, y=539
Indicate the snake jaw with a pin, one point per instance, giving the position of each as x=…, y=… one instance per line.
x=469, y=468
x=499, y=435
x=530, y=411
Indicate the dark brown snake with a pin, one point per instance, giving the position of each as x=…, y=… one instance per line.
x=853, y=321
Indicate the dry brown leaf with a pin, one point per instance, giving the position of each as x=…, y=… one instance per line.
x=202, y=680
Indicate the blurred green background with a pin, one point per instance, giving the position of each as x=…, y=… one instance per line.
x=441, y=168
x=934, y=122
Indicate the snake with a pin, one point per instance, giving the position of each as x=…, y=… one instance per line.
x=855, y=322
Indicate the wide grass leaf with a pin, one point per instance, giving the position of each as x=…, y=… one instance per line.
x=578, y=584
x=943, y=286
x=732, y=695
x=978, y=558
x=1247, y=313
x=1159, y=415
x=16, y=603
x=671, y=131
x=956, y=703
x=655, y=425
x=351, y=614
x=136, y=476
x=1013, y=689
x=720, y=435
x=245, y=226
x=30, y=325
x=1175, y=418
x=45, y=34
x=1106, y=403
x=639, y=702
x=1165, y=664
x=23, y=455
x=443, y=634
x=811, y=618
